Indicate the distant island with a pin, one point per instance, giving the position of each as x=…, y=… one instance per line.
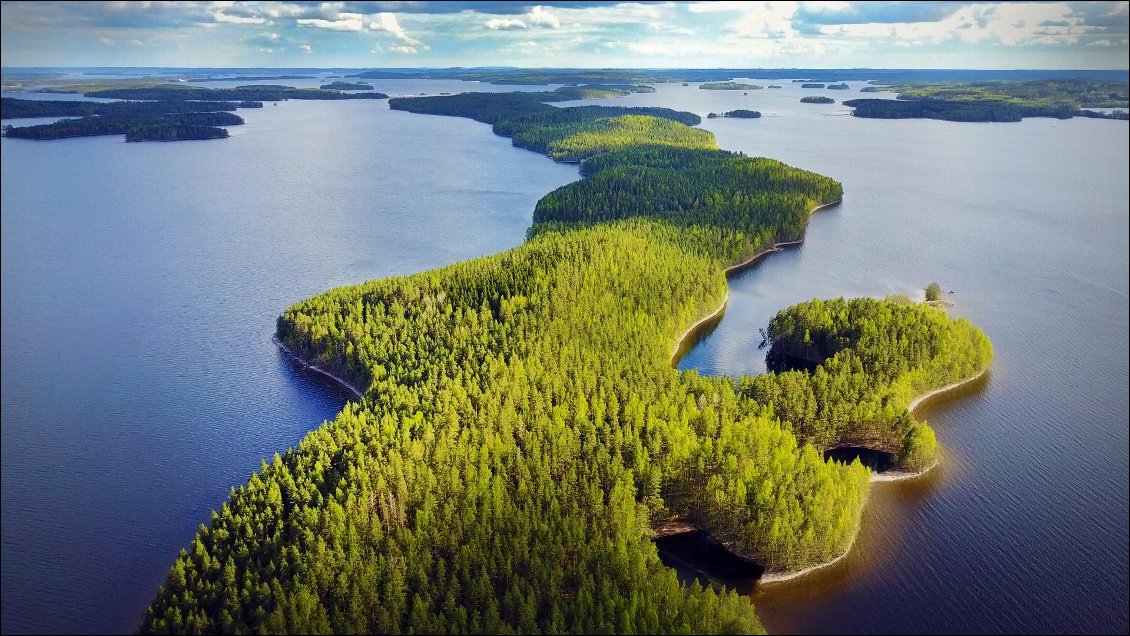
x=172, y=127
x=812, y=86
x=13, y=108
x=817, y=99
x=729, y=86
x=994, y=101
x=838, y=87
x=346, y=86
x=252, y=92
x=248, y=78
x=774, y=86
x=740, y=113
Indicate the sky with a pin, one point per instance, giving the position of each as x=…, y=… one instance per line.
x=979, y=35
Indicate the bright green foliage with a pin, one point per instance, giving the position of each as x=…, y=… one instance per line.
x=919, y=448
x=873, y=358
x=933, y=292
x=522, y=428
x=573, y=143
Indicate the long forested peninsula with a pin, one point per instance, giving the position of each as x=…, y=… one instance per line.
x=172, y=127
x=522, y=426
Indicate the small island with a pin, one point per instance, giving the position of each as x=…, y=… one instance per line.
x=729, y=86
x=817, y=99
x=842, y=86
x=346, y=86
x=739, y=113
x=774, y=86
x=812, y=86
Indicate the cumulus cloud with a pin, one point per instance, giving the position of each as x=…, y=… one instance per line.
x=505, y=24
x=344, y=22
x=540, y=16
x=388, y=23
x=306, y=48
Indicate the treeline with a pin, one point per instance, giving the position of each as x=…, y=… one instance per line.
x=522, y=427
x=729, y=86
x=346, y=86
x=745, y=204
x=258, y=93
x=838, y=87
x=172, y=127
x=739, y=113
x=530, y=109
x=982, y=110
x=817, y=99
x=872, y=358
x=11, y=108
x=811, y=85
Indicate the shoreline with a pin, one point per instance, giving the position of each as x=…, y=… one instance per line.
x=876, y=478
x=776, y=247
x=949, y=387
x=329, y=374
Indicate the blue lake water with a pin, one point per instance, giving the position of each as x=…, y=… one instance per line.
x=141, y=283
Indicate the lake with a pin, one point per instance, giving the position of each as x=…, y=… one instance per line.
x=141, y=283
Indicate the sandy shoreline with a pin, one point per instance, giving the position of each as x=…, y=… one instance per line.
x=886, y=477
x=314, y=367
x=949, y=387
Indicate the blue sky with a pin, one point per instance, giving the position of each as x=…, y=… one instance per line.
x=1044, y=35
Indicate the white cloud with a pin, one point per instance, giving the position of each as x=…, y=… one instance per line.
x=306, y=48
x=344, y=22
x=540, y=16
x=387, y=22
x=408, y=50
x=505, y=24
x=221, y=16
x=105, y=41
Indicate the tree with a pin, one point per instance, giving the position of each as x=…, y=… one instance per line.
x=933, y=292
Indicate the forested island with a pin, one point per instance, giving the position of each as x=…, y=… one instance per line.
x=729, y=86
x=837, y=87
x=347, y=86
x=817, y=99
x=774, y=86
x=171, y=127
x=993, y=101
x=522, y=427
x=812, y=86
x=12, y=108
x=739, y=113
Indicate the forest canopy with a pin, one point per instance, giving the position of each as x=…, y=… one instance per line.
x=522, y=426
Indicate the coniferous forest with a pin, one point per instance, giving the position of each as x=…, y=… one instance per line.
x=522, y=428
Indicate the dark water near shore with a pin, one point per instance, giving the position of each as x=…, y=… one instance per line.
x=141, y=283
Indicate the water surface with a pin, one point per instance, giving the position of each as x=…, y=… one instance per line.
x=141, y=283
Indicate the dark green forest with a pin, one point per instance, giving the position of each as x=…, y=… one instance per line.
x=739, y=113
x=11, y=108
x=729, y=86
x=522, y=427
x=1000, y=101
x=172, y=127
x=817, y=99
x=811, y=85
x=346, y=86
